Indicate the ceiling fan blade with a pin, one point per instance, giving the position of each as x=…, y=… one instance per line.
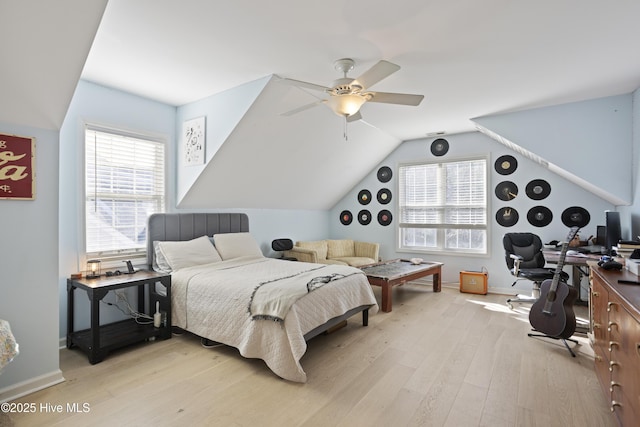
x=302, y=108
x=373, y=75
x=354, y=117
x=307, y=85
x=396, y=98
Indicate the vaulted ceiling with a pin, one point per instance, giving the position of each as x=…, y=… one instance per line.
x=469, y=59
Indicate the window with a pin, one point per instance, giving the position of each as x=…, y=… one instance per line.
x=124, y=184
x=443, y=207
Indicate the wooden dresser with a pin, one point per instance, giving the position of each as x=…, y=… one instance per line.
x=615, y=325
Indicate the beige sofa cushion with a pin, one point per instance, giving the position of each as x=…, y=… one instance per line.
x=319, y=246
x=340, y=248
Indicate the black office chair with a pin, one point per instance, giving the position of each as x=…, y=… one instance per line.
x=523, y=253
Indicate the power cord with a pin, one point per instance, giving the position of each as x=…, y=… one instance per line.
x=140, y=318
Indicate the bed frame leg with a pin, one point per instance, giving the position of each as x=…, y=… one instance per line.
x=365, y=317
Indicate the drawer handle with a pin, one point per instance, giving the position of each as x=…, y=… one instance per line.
x=598, y=358
x=612, y=343
x=612, y=364
x=613, y=384
x=611, y=304
x=611, y=324
x=595, y=294
x=597, y=326
x=614, y=404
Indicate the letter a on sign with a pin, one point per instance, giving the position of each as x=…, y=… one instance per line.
x=17, y=172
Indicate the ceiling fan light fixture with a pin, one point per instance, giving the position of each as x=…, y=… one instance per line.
x=346, y=105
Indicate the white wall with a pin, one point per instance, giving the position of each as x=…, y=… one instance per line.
x=29, y=266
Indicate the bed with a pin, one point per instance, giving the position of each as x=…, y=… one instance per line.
x=266, y=308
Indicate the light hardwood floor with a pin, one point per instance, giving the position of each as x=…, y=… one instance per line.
x=445, y=359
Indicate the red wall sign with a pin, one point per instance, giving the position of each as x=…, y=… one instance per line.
x=17, y=180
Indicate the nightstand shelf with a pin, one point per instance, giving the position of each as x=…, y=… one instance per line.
x=99, y=340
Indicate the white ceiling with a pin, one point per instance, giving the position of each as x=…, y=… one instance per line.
x=469, y=58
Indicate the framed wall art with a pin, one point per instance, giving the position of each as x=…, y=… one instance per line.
x=17, y=167
x=193, y=141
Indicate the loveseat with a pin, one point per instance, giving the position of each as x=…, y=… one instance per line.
x=343, y=251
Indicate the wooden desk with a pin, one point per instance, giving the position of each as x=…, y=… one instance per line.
x=397, y=272
x=579, y=266
x=616, y=341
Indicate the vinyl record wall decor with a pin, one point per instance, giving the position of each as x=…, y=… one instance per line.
x=539, y=216
x=364, y=217
x=506, y=190
x=538, y=189
x=507, y=216
x=439, y=147
x=384, y=217
x=384, y=174
x=346, y=217
x=364, y=197
x=506, y=165
x=384, y=196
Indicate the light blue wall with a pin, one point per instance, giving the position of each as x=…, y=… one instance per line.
x=29, y=265
x=563, y=195
x=630, y=215
x=98, y=105
x=589, y=139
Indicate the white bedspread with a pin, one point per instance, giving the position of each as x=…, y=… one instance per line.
x=212, y=301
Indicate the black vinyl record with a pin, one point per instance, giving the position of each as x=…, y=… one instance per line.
x=506, y=165
x=384, y=196
x=539, y=216
x=575, y=216
x=364, y=217
x=384, y=217
x=346, y=217
x=507, y=216
x=439, y=147
x=364, y=197
x=384, y=174
x=538, y=189
x=506, y=190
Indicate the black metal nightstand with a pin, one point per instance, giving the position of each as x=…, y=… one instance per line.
x=98, y=340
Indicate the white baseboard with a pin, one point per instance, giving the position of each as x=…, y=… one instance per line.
x=29, y=386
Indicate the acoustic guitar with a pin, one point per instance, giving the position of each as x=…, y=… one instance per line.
x=552, y=314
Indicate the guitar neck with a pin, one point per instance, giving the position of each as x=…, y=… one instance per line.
x=560, y=265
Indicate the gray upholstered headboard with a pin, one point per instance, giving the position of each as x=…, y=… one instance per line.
x=187, y=226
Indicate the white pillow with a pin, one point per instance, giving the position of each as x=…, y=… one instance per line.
x=234, y=245
x=177, y=255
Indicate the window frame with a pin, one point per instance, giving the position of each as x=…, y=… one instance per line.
x=440, y=228
x=119, y=254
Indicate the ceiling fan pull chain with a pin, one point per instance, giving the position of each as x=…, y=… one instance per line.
x=346, y=138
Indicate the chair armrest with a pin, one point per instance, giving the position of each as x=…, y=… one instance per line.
x=302, y=254
x=517, y=259
x=367, y=249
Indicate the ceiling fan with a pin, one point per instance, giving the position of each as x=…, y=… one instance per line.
x=347, y=95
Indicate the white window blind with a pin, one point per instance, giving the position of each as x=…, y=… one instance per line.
x=443, y=206
x=124, y=181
